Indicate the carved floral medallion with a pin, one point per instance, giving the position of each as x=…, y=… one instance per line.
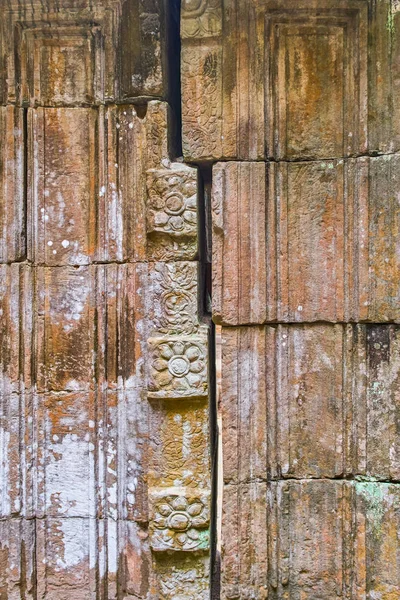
x=178, y=367
x=180, y=520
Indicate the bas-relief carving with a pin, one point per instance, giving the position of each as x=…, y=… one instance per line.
x=172, y=212
x=177, y=387
x=175, y=287
x=172, y=200
x=180, y=520
x=201, y=18
x=297, y=80
x=178, y=367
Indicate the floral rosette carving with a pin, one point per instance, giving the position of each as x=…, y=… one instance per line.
x=178, y=367
x=180, y=520
x=172, y=201
x=172, y=212
x=201, y=18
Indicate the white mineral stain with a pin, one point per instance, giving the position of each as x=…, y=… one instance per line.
x=112, y=546
x=73, y=385
x=4, y=470
x=67, y=477
x=75, y=549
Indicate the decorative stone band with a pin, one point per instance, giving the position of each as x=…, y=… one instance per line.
x=174, y=288
x=178, y=366
x=180, y=519
x=177, y=387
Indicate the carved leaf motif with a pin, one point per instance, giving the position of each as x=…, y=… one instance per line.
x=201, y=111
x=176, y=297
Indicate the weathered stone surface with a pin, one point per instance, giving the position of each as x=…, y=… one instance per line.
x=87, y=198
x=172, y=212
x=84, y=448
x=285, y=79
x=310, y=401
x=178, y=367
x=17, y=560
x=12, y=217
x=180, y=520
x=104, y=227
x=313, y=539
x=306, y=241
x=82, y=53
x=179, y=453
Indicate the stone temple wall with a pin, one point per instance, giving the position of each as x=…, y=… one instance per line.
x=168, y=168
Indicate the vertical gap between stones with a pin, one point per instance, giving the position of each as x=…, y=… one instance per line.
x=205, y=299
x=172, y=69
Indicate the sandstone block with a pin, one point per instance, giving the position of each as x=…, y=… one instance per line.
x=285, y=79
x=180, y=520
x=12, y=165
x=307, y=241
x=102, y=52
x=317, y=539
x=87, y=194
x=177, y=367
x=310, y=401
x=17, y=559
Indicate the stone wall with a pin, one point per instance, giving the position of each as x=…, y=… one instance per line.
x=104, y=443
x=163, y=162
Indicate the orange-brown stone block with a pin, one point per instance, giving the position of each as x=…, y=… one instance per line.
x=285, y=79
x=311, y=539
x=103, y=51
x=88, y=199
x=17, y=558
x=12, y=217
x=310, y=401
x=306, y=241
